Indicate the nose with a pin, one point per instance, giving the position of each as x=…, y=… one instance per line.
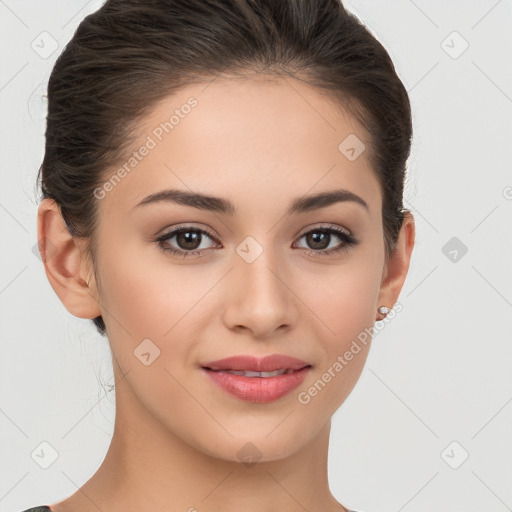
x=260, y=298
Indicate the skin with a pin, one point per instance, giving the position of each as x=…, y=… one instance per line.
x=259, y=143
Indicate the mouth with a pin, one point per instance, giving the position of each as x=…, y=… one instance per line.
x=251, y=366
x=257, y=379
x=249, y=373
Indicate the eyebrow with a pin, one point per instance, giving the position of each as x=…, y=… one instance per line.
x=220, y=205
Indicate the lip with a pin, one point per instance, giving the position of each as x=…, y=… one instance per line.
x=256, y=364
x=257, y=389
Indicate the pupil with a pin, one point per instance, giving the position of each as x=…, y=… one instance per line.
x=189, y=237
x=320, y=238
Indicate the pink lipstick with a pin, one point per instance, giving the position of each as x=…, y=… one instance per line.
x=257, y=380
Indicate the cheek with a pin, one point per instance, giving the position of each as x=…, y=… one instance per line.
x=130, y=294
x=344, y=306
x=344, y=300
x=148, y=297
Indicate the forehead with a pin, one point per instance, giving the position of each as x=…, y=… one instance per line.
x=240, y=137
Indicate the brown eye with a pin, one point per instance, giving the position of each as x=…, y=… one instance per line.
x=319, y=239
x=188, y=241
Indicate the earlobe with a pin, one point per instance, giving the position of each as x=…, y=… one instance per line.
x=397, y=265
x=64, y=262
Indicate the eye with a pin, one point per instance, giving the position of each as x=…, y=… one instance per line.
x=320, y=239
x=188, y=239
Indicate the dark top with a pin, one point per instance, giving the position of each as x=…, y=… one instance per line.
x=46, y=508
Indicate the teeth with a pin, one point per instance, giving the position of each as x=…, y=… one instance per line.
x=258, y=374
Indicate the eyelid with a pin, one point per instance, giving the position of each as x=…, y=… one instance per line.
x=185, y=226
x=323, y=225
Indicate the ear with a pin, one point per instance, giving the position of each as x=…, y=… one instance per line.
x=65, y=262
x=395, y=269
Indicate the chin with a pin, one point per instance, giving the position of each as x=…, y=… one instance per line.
x=249, y=449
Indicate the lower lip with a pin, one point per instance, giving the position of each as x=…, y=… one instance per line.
x=258, y=389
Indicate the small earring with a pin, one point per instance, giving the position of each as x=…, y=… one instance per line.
x=383, y=310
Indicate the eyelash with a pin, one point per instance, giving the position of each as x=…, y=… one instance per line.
x=348, y=240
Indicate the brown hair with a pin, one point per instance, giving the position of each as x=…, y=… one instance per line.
x=130, y=54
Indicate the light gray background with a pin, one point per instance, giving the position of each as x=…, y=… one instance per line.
x=439, y=373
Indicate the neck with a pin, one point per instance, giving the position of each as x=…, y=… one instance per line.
x=148, y=467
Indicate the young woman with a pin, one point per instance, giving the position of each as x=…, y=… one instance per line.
x=222, y=195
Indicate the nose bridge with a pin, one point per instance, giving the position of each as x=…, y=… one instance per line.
x=260, y=299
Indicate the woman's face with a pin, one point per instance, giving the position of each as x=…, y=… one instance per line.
x=255, y=281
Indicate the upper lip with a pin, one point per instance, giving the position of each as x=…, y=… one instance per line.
x=256, y=364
